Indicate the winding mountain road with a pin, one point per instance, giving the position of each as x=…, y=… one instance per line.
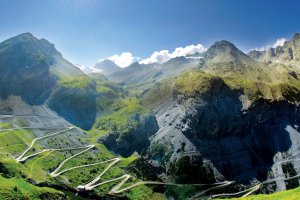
x=117, y=189
x=21, y=158
x=254, y=188
x=95, y=182
x=196, y=196
x=249, y=191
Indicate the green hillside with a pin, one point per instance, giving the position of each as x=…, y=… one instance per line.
x=14, y=188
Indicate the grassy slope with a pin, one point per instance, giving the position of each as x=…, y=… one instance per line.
x=115, y=114
x=14, y=142
x=103, y=86
x=193, y=82
x=15, y=188
x=122, y=120
x=104, y=92
x=196, y=82
x=122, y=117
x=80, y=82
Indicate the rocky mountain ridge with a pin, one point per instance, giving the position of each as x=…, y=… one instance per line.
x=107, y=67
x=289, y=52
x=230, y=118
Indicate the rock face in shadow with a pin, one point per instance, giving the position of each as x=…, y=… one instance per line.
x=77, y=106
x=24, y=68
x=243, y=147
x=227, y=137
x=31, y=67
x=136, y=140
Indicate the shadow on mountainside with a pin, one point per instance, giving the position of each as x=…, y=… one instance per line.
x=241, y=144
x=33, y=86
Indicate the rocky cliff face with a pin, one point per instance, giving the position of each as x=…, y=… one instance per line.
x=289, y=52
x=135, y=140
x=222, y=134
x=24, y=68
x=30, y=67
x=78, y=106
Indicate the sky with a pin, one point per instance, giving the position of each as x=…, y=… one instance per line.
x=86, y=31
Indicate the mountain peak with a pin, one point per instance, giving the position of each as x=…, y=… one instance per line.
x=28, y=42
x=296, y=36
x=107, y=67
x=134, y=65
x=106, y=61
x=34, y=65
x=224, y=48
x=296, y=39
x=23, y=37
x=223, y=57
x=27, y=34
x=223, y=45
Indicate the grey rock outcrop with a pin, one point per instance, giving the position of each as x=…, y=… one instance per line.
x=228, y=137
x=135, y=140
x=289, y=52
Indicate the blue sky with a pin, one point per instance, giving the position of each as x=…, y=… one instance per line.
x=88, y=30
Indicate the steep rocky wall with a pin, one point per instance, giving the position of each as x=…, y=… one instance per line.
x=135, y=140
x=228, y=137
x=77, y=106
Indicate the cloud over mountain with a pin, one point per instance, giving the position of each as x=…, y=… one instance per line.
x=165, y=55
x=279, y=42
x=127, y=58
x=122, y=60
x=157, y=56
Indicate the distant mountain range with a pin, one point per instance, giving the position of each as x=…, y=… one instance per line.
x=289, y=52
x=107, y=67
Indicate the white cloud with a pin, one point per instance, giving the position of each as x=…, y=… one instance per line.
x=279, y=42
x=157, y=56
x=126, y=58
x=165, y=55
x=83, y=68
x=88, y=70
x=123, y=60
x=191, y=49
